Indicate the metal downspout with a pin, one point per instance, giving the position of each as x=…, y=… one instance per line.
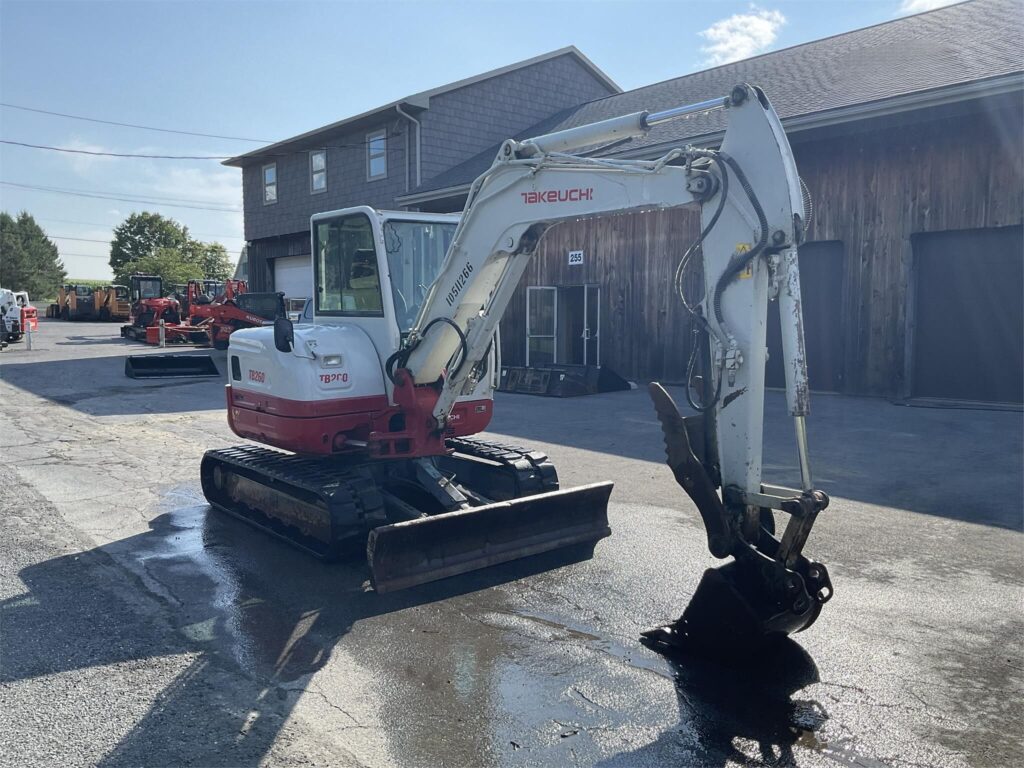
x=410, y=118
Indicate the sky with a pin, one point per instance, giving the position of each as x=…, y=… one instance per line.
x=270, y=70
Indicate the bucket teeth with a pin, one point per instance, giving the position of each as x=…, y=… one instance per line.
x=673, y=428
x=690, y=473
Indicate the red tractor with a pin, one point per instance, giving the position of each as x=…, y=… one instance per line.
x=234, y=308
x=149, y=307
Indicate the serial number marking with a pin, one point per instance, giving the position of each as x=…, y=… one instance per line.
x=460, y=283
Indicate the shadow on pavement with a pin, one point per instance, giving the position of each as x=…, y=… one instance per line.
x=741, y=712
x=241, y=600
x=957, y=464
x=97, y=386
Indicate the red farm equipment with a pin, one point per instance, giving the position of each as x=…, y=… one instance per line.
x=234, y=308
x=149, y=308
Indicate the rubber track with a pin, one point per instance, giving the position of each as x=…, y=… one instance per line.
x=349, y=493
x=515, y=458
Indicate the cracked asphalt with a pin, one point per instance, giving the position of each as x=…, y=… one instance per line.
x=138, y=627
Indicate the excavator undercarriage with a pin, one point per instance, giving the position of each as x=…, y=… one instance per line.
x=420, y=519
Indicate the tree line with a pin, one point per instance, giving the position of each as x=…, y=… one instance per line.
x=145, y=243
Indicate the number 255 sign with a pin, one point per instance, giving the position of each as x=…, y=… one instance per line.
x=575, y=258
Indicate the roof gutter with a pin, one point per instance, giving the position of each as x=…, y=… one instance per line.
x=977, y=89
x=798, y=123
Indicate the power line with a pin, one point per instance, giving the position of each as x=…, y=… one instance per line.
x=114, y=154
x=83, y=255
x=107, y=242
x=81, y=239
x=96, y=153
x=103, y=192
x=148, y=200
x=132, y=125
x=111, y=226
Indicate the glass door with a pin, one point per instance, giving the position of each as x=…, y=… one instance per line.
x=592, y=325
x=541, y=325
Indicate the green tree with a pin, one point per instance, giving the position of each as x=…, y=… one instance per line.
x=29, y=261
x=141, y=235
x=213, y=258
x=175, y=265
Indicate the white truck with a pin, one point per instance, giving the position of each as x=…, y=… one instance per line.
x=16, y=314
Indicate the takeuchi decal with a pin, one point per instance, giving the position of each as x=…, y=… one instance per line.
x=558, y=196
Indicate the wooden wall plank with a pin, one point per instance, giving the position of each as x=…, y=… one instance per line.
x=871, y=190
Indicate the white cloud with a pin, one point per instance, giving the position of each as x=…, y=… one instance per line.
x=84, y=164
x=920, y=6
x=743, y=35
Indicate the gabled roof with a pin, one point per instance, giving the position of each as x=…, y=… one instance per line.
x=847, y=76
x=421, y=100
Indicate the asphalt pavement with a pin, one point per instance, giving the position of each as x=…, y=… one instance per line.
x=140, y=627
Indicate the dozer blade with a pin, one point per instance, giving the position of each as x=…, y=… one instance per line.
x=429, y=548
x=169, y=366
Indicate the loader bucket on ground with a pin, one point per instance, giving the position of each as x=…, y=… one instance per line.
x=417, y=551
x=169, y=366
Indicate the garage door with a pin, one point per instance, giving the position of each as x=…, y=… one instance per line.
x=968, y=316
x=821, y=295
x=293, y=275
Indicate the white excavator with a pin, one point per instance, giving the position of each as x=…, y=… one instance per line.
x=371, y=407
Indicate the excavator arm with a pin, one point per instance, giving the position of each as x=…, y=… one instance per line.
x=752, y=222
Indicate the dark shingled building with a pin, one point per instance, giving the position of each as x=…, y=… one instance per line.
x=908, y=136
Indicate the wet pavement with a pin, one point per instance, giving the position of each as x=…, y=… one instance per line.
x=137, y=626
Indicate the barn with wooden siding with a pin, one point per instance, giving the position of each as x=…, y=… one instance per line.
x=908, y=136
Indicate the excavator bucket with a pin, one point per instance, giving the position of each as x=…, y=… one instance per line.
x=760, y=594
x=169, y=366
x=413, y=552
x=734, y=609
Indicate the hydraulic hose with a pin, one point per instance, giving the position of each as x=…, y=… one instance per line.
x=401, y=356
x=738, y=264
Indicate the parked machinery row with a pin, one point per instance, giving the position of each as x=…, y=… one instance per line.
x=202, y=311
x=85, y=302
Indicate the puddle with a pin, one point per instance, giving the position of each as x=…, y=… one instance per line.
x=179, y=562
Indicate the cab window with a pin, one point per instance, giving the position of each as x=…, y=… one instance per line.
x=347, y=278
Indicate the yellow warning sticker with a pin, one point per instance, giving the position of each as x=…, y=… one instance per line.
x=748, y=271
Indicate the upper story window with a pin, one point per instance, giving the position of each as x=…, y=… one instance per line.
x=318, y=171
x=270, y=183
x=376, y=155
